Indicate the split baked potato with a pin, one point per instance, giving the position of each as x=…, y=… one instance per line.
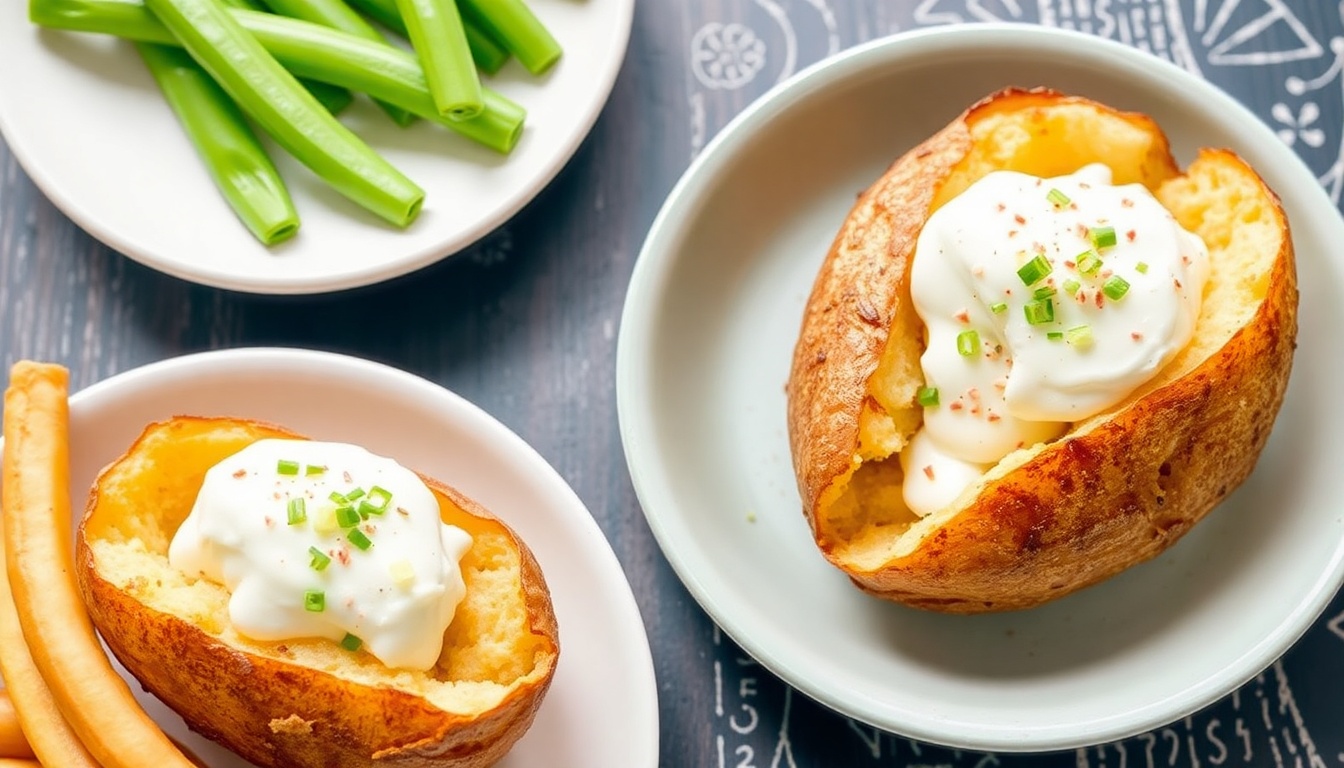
x=1117, y=488
x=307, y=703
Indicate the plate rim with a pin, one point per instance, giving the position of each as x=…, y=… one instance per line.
x=647, y=290
x=603, y=83
x=297, y=359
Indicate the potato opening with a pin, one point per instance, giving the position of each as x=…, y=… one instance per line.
x=489, y=649
x=862, y=517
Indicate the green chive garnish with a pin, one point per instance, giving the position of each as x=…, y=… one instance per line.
x=287, y=467
x=1142, y=267
x=1079, y=336
x=1102, y=237
x=1071, y=286
x=367, y=508
x=340, y=499
x=1044, y=292
x=1057, y=198
x=1115, y=288
x=927, y=396
x=320, y=560
x=968, y=343
x=380, y=497
x=1039, y=311
x=297, y=512
x=998, y=307
x=354, y=495
x=1088, y=263
x=314, y=600
x=1054, y=335
x=350, y=642
x=314, y=469
x=1034, y=271
x=347, y=517
x=358, y=538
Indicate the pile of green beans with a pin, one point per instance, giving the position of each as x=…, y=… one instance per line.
x=224, y=65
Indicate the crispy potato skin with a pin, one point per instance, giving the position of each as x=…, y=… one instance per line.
x=275, y=713
x=1087, y=506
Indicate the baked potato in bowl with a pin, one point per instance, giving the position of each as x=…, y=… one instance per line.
x=307, y=702
x=1108, y=489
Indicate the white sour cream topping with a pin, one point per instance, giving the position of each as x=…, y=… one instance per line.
x=397, y=596
x=1025, y=385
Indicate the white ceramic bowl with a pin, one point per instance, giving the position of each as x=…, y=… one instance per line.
x=709, y=326
x=85, y=120
x=602, y=707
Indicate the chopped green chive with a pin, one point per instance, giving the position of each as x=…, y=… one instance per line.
x=1054, y=335
x=339, y=498
x=1034, y=271
x=968, y=343
x=367, y=508
x=358, y=538
x=1102, y=237
x=998, y=307
x=314, y=469
x=1115, y=288
x=315, y=600
x=287, y=467
x=1039, y=311
x=354, y=495
x=1044, y=292
x=298, y=513
x=1142, y=267
x=380, y=497
x=1071, y=286
x=1088, y=263
x=350, y=642
x=320, y=561
x=1079, y=336
x=1057, y=198
x=927, y=396
x=347, y=517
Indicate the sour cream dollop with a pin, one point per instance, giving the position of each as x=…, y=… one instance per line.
x=1045, y=301
x=273, y=524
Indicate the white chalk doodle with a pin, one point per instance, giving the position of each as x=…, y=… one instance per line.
x=1300, y=126
x=1333, y=177
x=726, y=56
x=933, y=12
x=1231, y=45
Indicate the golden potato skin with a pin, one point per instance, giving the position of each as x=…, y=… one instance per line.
x=276, y=713
x=1105, y=496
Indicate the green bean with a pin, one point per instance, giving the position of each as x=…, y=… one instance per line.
x=271, y=97
x=334, y=99
x=440, y=42
x=232, y=154
x=488, y=54
x=512, y=23
x=337, y=15
x=307, y=50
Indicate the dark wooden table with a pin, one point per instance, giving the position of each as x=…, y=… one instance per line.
x=524, y=324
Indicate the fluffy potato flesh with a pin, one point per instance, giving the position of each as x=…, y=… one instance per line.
x=1117, y=488
x=307, y=702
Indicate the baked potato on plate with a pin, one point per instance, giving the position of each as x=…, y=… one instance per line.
x=707, y=344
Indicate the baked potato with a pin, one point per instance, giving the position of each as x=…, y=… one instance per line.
x=1116, y=488
x=307, y=703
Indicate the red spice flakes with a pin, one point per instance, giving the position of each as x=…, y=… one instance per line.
x=240, y=474
x=962, y=316
x=370, y=528
x=1081, y=230
x=1177, y=282
x=402, y=511
x=1185, y=260
x=270, y=522
x=346, y=476
x=1084, y=185
x=973, y=394
x=1130, y=235
x=1136, y=336
x=1001, y=383
x=1012, y=233
x=928, y=471
x=1019, y=218
x=1069, y=263
x=955, y=405
x=342, y=555
x=1000, y=207
x=1105, y=273
x=1100, y=300
x=992, y=417
x=1127, y=203
x=978, y=270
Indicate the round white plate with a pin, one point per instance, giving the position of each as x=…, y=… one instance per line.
x=88, y=124
x=709, y=327
x=602, y=708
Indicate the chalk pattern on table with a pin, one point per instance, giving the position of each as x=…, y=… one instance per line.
x=1260, y=724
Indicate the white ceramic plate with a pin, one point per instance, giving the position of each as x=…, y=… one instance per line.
x=709, y=326
x=88, y=124
x=602, y=709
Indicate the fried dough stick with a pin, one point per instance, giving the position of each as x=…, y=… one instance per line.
x=94, y=699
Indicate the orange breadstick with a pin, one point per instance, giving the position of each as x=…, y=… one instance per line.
x=94, y=699
x=12, y=741
x=17, y=762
